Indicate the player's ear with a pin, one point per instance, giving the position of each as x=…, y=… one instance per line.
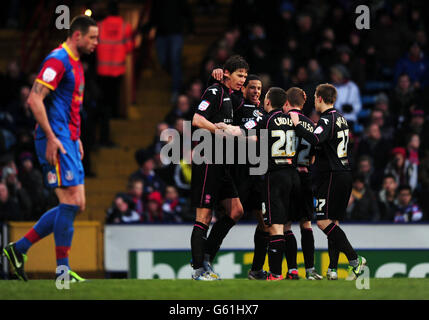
x=226, y=73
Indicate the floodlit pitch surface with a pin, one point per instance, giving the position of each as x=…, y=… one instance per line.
x=394, y=288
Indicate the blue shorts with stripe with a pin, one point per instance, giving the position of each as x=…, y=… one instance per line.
x=69, y=169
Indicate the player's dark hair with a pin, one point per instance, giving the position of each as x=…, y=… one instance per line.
x=296, y=96
x=81, y=23
x=251, y=77
x=327, y=92
x=277, y=96
x=234, y=63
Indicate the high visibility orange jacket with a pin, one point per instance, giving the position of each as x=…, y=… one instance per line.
x=115, y=41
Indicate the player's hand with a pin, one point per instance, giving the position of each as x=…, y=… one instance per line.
x=81, y=149
x=52, y=147
x=221, y=125
x=233, y=131
x=295, y=118
x=217, y=74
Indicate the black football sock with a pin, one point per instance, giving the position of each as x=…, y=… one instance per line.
x=218, y=232
x=334, y=254
x=275, y=254
x=307, y=244
x=261, y=240
x=198, y=240
x=340, y=241
x=291, y=250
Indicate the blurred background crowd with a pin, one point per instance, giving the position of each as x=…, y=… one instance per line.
x=381, y=74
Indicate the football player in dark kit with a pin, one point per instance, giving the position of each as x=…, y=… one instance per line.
x=212, y=183
x=296, y=98
x=333, y=179
x=281, y=180
x=250, y=187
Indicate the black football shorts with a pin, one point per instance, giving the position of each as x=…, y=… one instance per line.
x=280, y=186
x=332, y=193
x=210, y=184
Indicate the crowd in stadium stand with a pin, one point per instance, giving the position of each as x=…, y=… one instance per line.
x=382, y=78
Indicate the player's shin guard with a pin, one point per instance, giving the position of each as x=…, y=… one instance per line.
x=41, y=229
x=63, y=233
x=218, y=232
x=261, y=240
x=340, y=241
x=291, y=250
x=198, y=242
x=334, y=254
x=307, y=244
x=275, y=253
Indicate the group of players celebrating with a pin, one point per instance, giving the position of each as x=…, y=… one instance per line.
x=301, y=155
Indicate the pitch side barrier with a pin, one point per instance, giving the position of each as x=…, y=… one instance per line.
x=163, y=250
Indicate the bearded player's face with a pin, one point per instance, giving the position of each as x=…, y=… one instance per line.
x=87, y=43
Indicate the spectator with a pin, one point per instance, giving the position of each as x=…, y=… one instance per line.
x=167, y=23
x=416, y=124
x=348, y=95
x=378, y=117
x=16, y=192
x=403, y=98
x=353, y=64
x=362, y=203
x=146, y=173
x=135, y=191
x=376, y=147
x=32, y=182
x=407, y=211
x=401, y=168
x=416, y=65
x=258, y=50
x=306, y=37
x=284, y=74
x=9, y=208
x=157, y=144
x=181, y=110
x=20, y=110
x=122, y=210
x=315, y=73
x=387, y=198
x=413, y=149
x=300, y=80
x=115, y=42
x=153, y=212
x=365, y=168
x=172, y=209
x=194, y=93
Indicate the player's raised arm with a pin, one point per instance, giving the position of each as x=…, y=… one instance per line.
x=35, y=100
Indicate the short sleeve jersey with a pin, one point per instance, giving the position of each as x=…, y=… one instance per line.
x=62, y=73
x=281, y=138
x=332, y=138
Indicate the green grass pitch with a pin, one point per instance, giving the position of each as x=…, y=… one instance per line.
x=240, y=289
